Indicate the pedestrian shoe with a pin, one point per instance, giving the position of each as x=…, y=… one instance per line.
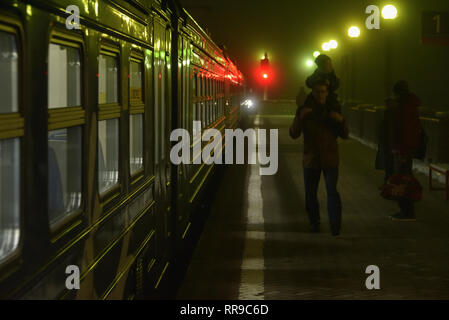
x=402, y=217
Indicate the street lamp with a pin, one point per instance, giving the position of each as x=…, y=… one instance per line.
x=316, y=54
x=354, y=32
x=326, y=46
x=389, y=12
x=309, y=63
x=333, y=44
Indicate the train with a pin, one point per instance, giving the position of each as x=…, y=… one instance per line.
x=91, y=207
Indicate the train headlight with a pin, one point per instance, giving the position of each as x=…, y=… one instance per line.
x=248, y=103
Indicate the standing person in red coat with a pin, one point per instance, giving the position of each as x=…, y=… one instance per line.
x=405, y=140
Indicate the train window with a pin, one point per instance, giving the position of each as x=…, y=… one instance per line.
x=9, y=196
x=65, y=130
x=204, y=83
x=108, y=79
x=194, y=95
x=218, y=97
x=136, y=73
x=108, y=154
x=211, y=107
x=136, y=118
x=11, y=131
x=222, y=97
x=208, y=101
x=136, y=143
x=214, y=99
x=64, y=172
x=203, y=103
x=200, y=101
x=64, y=74
x=9, y=64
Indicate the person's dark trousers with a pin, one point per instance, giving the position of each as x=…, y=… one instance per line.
x=389, y=166
x=404, y=165
x=311, y=182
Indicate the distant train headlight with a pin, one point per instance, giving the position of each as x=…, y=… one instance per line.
x=248, y=103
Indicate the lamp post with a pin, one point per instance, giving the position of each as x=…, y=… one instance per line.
x=354, y=33
x=389, y=12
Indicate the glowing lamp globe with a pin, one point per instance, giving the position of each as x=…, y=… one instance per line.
x=333, y=44
x=389, y=12
x=354, y=32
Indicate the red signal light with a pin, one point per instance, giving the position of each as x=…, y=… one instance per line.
x=265, y=76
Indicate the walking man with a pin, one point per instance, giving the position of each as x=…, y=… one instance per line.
x=321, y=126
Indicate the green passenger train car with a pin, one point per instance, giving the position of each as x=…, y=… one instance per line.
x=85, y=121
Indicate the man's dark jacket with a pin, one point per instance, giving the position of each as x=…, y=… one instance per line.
x=320, y=136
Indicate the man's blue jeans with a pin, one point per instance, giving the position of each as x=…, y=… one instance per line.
x=311, y=181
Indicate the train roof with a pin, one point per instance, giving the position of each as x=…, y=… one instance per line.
x=221, y=50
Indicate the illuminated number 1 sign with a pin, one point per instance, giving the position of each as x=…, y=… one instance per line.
x=435, y=28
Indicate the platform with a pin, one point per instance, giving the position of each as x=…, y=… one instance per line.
x=256, y=243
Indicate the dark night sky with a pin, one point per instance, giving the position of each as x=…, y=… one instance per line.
x=290, y=30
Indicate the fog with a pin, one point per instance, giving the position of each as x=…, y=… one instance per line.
x=290, y=31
